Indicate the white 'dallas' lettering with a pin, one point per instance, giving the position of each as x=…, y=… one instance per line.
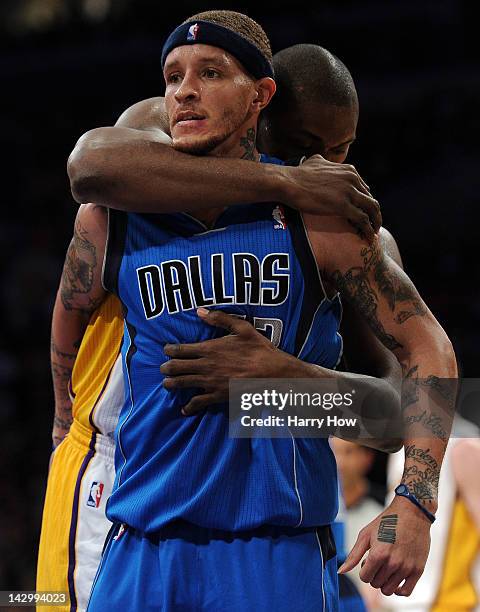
x=177, y=285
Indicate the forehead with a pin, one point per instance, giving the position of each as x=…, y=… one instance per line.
x=187, y=54
x=329, y=123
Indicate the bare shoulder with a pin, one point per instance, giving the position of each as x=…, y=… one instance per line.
x=390, y=246
x=147, y=114
x=92, y=219
x=334, y=238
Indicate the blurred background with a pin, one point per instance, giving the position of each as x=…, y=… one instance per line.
x=70, y=65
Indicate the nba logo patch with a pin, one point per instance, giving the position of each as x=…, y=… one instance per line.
x=95, y=495
x=279, y=218
x=193, y=32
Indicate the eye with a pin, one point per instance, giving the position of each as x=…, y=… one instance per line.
x=210, y=73
x=301, y=146
x=173, y=78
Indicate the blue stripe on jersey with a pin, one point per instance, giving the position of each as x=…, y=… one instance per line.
x=253, y=263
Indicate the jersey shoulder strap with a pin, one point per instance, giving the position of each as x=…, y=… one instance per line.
x=117, y=231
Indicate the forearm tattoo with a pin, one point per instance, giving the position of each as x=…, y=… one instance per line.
x=56, y=351
x=430, y=422
x=434, y=423
x=60, y=373
x=421, y=473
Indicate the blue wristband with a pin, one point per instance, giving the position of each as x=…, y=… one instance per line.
x=403, y=491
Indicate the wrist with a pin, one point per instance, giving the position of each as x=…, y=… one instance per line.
x=403, y=493
x=289, y=366
x=281, y=185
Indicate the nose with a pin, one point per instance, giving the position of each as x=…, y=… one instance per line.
x=188, y=89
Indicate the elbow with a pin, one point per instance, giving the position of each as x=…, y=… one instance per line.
x=84, y=167
x=445, y=355
x=451, y=360
x=434, y=351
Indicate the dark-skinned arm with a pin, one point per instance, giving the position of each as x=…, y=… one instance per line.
x=132, y=167
x=383, y=294
x=79, y=295
x=208, y=365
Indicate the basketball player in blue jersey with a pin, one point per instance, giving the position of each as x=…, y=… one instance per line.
x=322, y=100
x=56, y=556
x=332, y=80
x=192, y=499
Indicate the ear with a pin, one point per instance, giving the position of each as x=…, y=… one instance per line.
x=265, y=89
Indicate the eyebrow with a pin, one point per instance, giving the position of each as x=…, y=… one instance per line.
x=352, y=140
x=204, y=60
x=320, y=139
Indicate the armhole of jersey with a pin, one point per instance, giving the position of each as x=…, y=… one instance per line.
x=116, y=233
x=315, y=296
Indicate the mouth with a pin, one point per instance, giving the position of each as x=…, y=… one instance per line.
x=188, y=117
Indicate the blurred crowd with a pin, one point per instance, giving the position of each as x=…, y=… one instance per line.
x=68, y=66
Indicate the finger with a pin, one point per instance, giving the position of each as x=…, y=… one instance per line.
x=186, y=351
x=356, y=180
x=365, y=187
x=368, y=205
x=371, y=567
x=392, y=583
x=175, y=367
x=406, y=589
x=362, y=224
x=183, y=382
x=383, y=575
x=366, y=228
x=231, y=323
x=199, y=403
x=359, y=549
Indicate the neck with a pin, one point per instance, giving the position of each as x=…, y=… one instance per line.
x=241, y=146
x=263, y=135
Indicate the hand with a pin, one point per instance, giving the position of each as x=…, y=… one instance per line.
x=399, y=541
x=326, y=188
x=245, y=353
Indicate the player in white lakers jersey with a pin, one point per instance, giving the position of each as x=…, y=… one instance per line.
x=82, y=470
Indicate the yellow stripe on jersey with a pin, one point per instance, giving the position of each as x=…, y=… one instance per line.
x=96, y=357
x=456, y=591
x=54, y=553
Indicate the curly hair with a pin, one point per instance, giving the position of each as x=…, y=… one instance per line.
x=240, y=24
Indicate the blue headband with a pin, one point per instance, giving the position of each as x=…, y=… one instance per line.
x=207, y=33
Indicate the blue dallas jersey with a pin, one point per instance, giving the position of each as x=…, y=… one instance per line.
x=255, y=262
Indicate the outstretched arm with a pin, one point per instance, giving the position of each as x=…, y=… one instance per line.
x=79, y=294
x=133, y=167
x=386, y=298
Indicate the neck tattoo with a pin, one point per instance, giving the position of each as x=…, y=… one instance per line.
x=248, y=143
